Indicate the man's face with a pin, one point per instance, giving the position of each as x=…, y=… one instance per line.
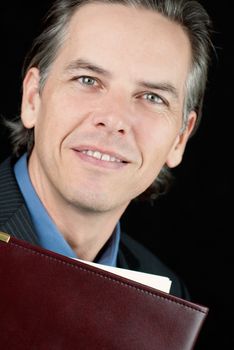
x=110, y=113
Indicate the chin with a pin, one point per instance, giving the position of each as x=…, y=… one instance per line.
x=92, y=202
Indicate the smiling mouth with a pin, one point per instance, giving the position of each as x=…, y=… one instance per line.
x=102, y=156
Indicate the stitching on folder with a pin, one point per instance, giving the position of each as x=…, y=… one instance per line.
x=102, y=274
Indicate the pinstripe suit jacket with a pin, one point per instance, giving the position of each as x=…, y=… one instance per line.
x=15, y=220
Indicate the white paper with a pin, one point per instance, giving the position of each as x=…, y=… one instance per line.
x=158, y=282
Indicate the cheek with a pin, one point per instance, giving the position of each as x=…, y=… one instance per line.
x=152, y=138
x=70, y=110
x=156, y=140
x=49, y=131
x=57, y=120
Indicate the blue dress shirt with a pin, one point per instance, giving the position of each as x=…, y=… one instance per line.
x=48, y=234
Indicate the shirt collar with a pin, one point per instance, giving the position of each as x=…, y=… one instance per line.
x=48, y=234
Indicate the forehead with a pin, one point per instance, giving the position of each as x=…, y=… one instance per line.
x=126, y=37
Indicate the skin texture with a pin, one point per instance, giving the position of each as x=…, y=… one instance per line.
x=117, y=88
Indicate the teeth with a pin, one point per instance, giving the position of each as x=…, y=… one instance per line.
x=102, y=156
x=106, y=157
x=97, y=155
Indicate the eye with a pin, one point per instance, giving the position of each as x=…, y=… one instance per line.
x=153, y=98
x=86, y=80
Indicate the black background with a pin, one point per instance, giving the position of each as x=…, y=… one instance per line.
x=190, y=229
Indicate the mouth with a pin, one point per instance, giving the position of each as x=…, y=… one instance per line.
x=103, y=158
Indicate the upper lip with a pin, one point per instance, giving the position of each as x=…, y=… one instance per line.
x=103, y=151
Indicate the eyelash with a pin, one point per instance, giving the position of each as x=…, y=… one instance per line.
x=161, y=102
x=83, y=77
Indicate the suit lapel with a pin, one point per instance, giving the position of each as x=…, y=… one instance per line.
x=14, y=216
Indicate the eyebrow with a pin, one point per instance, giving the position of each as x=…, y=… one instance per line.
x=84, y=64
x=163, y=86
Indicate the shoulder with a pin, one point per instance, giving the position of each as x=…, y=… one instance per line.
x=14, y=216
x=141, y=258
x=7, y=180
x=6, y=168
x=135, y=256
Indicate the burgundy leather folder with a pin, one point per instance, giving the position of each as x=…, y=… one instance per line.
x=50, y=302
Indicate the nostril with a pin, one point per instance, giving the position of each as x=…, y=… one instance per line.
x=100, y=124
x=110, y=122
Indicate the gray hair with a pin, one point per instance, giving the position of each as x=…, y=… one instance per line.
x=189, y=14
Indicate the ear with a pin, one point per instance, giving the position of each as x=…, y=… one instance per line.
x=175, y=156
x=31, y=98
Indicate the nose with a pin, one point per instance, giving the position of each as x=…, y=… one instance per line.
x=113, y=117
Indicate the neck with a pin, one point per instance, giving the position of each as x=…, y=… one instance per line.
x=86, y=230
x=85, y=233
